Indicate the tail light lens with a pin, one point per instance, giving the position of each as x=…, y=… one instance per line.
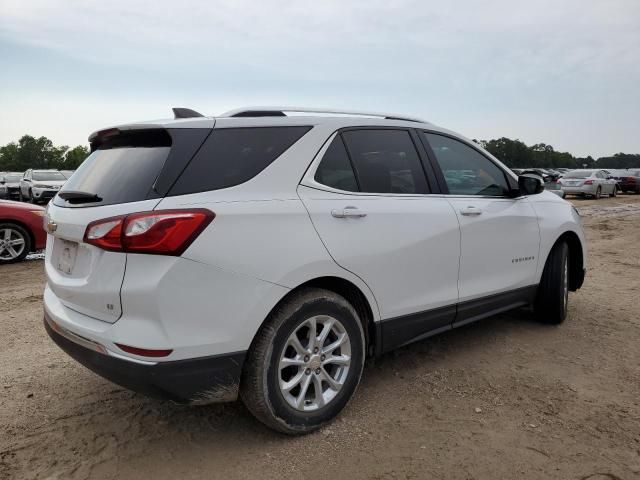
x=144, y=352
x=161, y=232
x=588, y=182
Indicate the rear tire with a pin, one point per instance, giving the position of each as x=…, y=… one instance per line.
x=615, y=192
x=274, y=393
x=15, y=243
x=598, y=193
x=553, y=292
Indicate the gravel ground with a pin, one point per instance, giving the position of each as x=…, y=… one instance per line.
x=503, y=398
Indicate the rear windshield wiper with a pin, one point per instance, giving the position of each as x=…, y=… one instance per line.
x=79, y=197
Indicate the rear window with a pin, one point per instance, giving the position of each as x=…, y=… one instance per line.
x=122, y=170
x=231, y=156
x=578, y=174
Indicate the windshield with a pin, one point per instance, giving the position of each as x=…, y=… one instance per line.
x=48, y=176
x=12, y=178
x=579, y=174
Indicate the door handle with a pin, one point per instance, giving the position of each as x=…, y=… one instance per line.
x=471, y=211
x=348, y=212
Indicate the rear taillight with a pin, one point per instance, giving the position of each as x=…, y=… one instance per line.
x=588, y=182
x=161, y=232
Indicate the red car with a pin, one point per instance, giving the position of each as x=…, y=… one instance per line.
x=629, y=180
x=21, y=230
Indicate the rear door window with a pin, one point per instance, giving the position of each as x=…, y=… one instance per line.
x=231, y=156
x=386, y=161
x=122, y=170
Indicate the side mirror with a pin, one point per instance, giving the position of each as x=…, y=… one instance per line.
x=530, y=184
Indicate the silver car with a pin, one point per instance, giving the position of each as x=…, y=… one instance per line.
x=588, y=183
x=40, y=185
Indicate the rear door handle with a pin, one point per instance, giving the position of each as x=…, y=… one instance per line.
x=348, y=212
x=471, y=211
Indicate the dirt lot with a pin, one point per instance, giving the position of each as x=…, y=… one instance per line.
x=504, y=398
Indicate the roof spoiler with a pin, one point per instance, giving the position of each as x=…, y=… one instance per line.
x=179, y=112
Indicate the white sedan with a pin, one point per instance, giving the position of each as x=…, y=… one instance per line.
x=593, y=183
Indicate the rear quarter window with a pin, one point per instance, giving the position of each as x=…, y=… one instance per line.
x=231, y=156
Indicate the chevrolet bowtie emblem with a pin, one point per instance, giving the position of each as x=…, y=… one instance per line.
x=52, y=226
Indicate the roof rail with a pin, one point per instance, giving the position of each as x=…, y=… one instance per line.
x=280, y=112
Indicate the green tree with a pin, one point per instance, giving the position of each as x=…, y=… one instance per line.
x=512, y=153
x=31, y=152
x=74, y=157
x=620, y=160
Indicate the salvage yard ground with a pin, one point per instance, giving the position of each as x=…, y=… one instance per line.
x=503, y=398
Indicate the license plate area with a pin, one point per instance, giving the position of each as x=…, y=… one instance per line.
x=66, y=258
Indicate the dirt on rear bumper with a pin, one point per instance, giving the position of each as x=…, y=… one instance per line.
x=196, y=381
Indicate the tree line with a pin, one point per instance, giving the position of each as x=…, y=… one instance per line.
x=516, y=154
x=31, y=152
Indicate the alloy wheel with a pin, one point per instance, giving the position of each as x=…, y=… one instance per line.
x=314, y=363
x=12, y=244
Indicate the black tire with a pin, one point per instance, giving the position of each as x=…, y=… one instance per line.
x=259, y=386
x=615, y=192
x=19, y=231
x=20, y=197
x=553, y=291
x=31, y=199
x=598, y=193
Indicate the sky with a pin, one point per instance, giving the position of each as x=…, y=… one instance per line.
x=562, y=72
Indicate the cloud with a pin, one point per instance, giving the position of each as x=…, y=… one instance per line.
x=456, y=62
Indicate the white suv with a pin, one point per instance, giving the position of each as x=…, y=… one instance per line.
x=266, y=254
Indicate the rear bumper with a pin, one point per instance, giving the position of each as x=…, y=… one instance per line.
x=194, y=381
x=583, y=190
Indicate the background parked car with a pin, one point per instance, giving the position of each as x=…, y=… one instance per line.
x=628, y=180
x=40, y=185
x=10, y=185
x=593, y=183
x=555, y=187
x=21, y=230
x=67, y=173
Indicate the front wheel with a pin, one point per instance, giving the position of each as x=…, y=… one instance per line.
x=305, y=363
x=553, y=292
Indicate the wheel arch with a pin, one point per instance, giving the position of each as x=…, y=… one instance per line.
x=353, y=294
x=576, y=258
